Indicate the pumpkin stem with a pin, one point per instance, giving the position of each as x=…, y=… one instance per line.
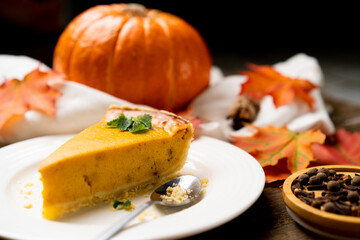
x=135, y=9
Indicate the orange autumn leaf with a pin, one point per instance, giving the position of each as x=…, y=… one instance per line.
x=265, y=80
x=346, y=150
x=271, y=144
x=34, y=92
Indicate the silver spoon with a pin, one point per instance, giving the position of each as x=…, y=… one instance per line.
x=190, y=184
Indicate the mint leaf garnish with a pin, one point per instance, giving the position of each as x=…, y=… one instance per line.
x=141, y=123
x=125, y=204
x=145, y=119
x=137, y=126
x=112, y=123
x=124, y=123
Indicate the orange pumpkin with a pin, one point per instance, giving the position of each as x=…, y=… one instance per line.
x=141, y=55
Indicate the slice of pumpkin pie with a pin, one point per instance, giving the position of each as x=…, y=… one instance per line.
x=123, y=151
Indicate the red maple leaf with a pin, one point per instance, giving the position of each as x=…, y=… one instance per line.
x=345, y=151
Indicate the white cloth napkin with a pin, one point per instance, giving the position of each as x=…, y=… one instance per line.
x=80, y=106
x=214, y=104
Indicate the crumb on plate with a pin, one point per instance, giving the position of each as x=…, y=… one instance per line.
x=176, y=195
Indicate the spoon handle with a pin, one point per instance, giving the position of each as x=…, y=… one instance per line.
x=119, y=225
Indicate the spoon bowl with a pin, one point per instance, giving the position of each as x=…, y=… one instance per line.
x=188, y=186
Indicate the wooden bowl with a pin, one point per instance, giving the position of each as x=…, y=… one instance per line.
x=325, y=223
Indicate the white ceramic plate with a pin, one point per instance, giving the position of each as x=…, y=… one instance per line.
x=236, y=180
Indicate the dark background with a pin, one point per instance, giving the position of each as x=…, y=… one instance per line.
x=233, y=30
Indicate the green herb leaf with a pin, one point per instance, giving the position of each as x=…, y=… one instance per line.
x=124, y=123
x=117, y=203
x=137, y=126
x=141, y=123
x=145, y=119
x=125, y=204
x=112, y=123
